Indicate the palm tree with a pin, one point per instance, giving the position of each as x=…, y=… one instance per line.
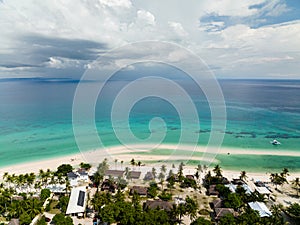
x=191, y=207
x=163, y=169
x=34, y=208
x=296, y=185
x=217, y=170
x=5, y=175
x=139, y=163
x=116, y=161
x=132, y=162
x=161, y=177
x=122, y=164
x=153, y=173
x=243, y=175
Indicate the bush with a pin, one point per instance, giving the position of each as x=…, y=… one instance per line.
x=64, y=169
x=60, y=219
x=294, y=209
x=45, y=193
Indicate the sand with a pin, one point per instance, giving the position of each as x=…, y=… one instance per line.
x=125, y=154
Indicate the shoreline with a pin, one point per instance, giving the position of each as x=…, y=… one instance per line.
x=125, y=154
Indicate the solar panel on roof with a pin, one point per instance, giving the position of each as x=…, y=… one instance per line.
x=80, y=200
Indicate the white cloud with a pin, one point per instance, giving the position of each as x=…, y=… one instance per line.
x=145, y=17
x=117, y=22
x=116, y=3
x=60, y=62
x=230, y=8
x=178, y=29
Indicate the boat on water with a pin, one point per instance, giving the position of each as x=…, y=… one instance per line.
x=275, y=142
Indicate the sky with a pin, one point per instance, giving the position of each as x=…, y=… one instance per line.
x=236, y=39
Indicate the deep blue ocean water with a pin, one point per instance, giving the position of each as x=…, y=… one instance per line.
x=36, y=117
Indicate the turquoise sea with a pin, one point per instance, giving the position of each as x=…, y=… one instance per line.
x=36, y=120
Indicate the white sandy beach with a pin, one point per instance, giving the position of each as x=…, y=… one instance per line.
x=125, y=154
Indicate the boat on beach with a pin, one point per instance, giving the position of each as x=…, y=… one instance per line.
x=275, y=142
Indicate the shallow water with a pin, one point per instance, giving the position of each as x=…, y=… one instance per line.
x=36, y=120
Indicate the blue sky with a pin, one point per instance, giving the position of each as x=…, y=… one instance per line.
x=236, y=39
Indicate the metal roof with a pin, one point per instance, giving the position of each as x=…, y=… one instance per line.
x=77, y=200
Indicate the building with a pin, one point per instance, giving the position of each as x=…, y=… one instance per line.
x=261, y=208
x=217, y=203
x=139, y=190
x=114, y=173
x=108, y=185
x=77, y=202
x=134, y=175
x=263, y=190
x=154, y=204
x=212, y=190
x=14, y=222
x=220, y=212
x=148, y=176
x=78, y=178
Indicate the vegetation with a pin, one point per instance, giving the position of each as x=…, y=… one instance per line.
x=60, y=219
x=201, y=221
x=85, y=166
x=294, y=210
x=64, y=169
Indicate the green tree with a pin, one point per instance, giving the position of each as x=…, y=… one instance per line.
x=276, y=218
x=201, y=221
x=153, y=173
x=101, y=169
x=161, y=178
x=85, y=166
x=180, y=172
x=45, y=193
x=296, y=185
x=64, y=169
x=165, y=196
x=278, y=179
x=60, y=219
x=243, y=175
x=228, y=219
x=63, y=203
x=25, y=218
x=42, y=221
x=294, y=209
x=152, y=189
x=34, y=207
x=217, y=170
x=191, y=207
x=132, y=162
x=233, y=201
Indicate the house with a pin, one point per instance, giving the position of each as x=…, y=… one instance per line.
x=238, y=181
x=190, y=177
x=77, y=202
x=108, y=185
x=73, y=178
x=220, y=212
x=212, y=190
x=148, y=176
x=232, y=187
x=57, y=188
x=114, y=173
x=14, y=222
x=261, y=208
x=83, y=175
x=134, y=174
x=263, y=190
x=139, y=190
x=78, y=177
x=17, y=198
x=154, y=204
x=217, y=203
